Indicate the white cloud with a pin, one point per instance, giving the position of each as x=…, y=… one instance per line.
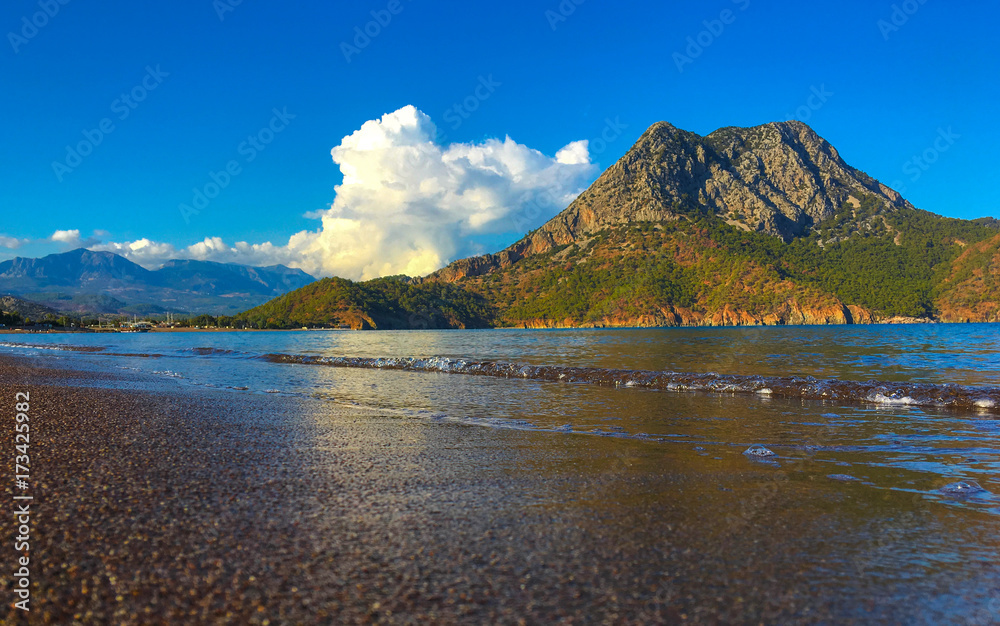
x=576, y=153
x=66, y=236
x=11, y=243
x=152, y=254
x=72, y=239
x=142, y=251
x=407, y=205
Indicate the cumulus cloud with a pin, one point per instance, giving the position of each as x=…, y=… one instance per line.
x=66, y=236
x=576, y=153
x=11, y=243
x=72, y=239
x=152, y=254
x=408, y=205
x=142, y=251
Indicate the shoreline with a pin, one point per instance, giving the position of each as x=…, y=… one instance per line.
x=554, y=326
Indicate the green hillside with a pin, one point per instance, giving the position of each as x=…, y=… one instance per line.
x=384, y=303
x=694, y=268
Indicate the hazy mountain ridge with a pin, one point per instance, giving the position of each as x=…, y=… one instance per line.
x=78, y=268
x=85, y=281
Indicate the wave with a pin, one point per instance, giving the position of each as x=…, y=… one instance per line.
x=59, y=346
x=210, y=351
x=981, y=399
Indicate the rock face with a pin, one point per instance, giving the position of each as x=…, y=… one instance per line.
x=789, y=314
x=779, y=178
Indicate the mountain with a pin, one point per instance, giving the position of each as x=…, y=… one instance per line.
x=79, y=269
x=762, y=225
x=781, y=178
x=84, y=281
x=208, y=276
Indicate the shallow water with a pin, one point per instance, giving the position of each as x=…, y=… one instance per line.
x=854, y=502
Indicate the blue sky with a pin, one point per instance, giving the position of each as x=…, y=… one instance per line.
x=546, y=74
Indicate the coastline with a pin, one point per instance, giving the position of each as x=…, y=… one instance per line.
x=9, y=331
x=538, y=325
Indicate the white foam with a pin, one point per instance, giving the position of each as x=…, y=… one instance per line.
x=168, y=374
x=879, y=398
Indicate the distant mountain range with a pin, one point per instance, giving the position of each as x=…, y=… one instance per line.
x=762, y=225
x=83, y=281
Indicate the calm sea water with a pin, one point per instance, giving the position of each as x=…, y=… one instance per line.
x=873, y=495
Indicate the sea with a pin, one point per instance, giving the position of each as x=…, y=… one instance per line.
x=871, y=454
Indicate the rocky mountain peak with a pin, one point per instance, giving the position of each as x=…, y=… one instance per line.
x=780, y=178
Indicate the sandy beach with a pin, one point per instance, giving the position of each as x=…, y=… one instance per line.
x=166, y=509
x=235, y=508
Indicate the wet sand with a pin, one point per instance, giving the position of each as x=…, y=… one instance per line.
x=248, y=509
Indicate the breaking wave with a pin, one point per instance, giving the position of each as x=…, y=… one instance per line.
x=808, y=388
x=56, y=346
